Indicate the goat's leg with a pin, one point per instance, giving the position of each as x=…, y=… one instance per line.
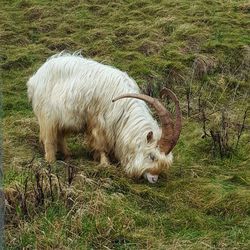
x=42, y=133
x=50, y=144
x=62, y=146
x=104, y=159
x=97, y=142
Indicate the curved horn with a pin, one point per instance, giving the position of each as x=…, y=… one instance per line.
x=169, y=136
x=177, y=126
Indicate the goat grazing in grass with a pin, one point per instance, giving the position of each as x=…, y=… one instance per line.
x=72, y=94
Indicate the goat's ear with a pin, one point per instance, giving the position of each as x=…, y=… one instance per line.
x=150, y=136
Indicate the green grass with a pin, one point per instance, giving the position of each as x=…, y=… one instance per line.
x=203, y=201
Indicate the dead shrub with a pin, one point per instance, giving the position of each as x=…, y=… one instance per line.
x=203, y=64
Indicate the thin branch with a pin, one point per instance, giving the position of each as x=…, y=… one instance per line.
x=242, y=127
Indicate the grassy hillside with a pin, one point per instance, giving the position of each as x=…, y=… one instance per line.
x=200, y=49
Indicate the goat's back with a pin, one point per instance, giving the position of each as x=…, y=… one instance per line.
x=67, y=87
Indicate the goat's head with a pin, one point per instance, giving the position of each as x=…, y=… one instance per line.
x=156, y=155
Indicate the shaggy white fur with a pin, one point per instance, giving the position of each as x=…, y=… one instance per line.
x=72, y=93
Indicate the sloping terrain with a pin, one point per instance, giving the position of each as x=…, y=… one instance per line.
x=199, y=49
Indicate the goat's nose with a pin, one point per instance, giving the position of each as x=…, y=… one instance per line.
x=151, y=178
x=154, y=178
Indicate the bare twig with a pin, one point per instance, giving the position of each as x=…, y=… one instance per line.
x=188, y=94
x=39, y=192
x=31, y=161
x=59, y=183
x=50, y=183
x=224, y=134
x=71, y=170
x=203, y=118
x=23, y=198
x=216, y=140
x=241, y=128
x=71, y=173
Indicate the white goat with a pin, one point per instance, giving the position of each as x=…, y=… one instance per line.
x=70, y=93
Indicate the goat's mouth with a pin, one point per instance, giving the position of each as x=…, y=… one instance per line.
x=150, y=177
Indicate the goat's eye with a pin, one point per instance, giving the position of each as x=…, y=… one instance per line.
x=152, y=157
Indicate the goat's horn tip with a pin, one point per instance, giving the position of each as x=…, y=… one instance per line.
x=163, y=92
